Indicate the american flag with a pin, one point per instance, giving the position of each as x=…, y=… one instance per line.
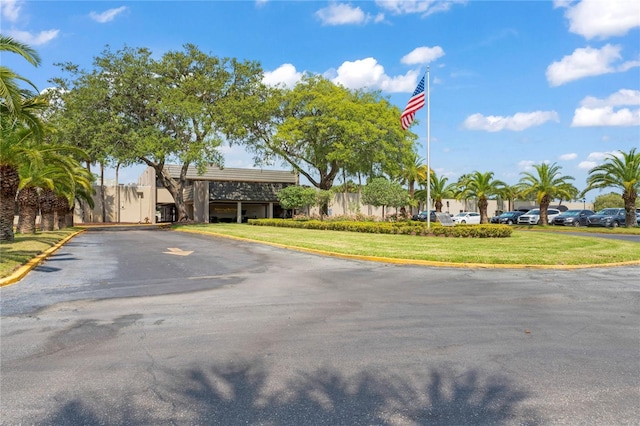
x=415, y=103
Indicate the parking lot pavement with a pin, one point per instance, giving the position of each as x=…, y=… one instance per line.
x=115, y=329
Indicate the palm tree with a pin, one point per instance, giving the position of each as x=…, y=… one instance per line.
x=78, y=189
x=620, y=171
x=480, y=186
x=440, y=190
x=53, y=173
x=10, y=91
x=19, y=123
x=509, y=193
x=548, y=185
x=16, y=148
x=413, y=171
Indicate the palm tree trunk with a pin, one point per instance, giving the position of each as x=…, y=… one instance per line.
x=544, y=206
x=68, y=217
x=7, y=210
x=47, y=207
x=27, y=200
x=61, y=207
x=482, y=206
x=9, y=181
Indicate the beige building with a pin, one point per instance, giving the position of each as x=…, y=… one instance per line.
x=233, y=195
x=217, y=195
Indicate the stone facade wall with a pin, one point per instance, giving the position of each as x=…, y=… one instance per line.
x=245, y=191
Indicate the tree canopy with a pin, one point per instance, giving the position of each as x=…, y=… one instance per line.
x=157, y=111
x=546, y=185
x=622, y=171
x=322, y=129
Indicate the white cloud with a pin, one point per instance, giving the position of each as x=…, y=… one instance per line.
x=587, y=62
x=601, y=112
x=41, y=38
x=605, y=116
x=368, y=73
x=422, y=7
x=621, y=97
x=595, y=158
x=107, y=15
x=342, y=14
x=587, y=165
x=568, y=157
x=285, y=74
x=526, y=165
x=422, y=55
x=518, y=122
x=261, y=3
x=601, y=18
x=10, y=10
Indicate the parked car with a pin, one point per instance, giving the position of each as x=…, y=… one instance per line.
x=509, y=217
x=611, y=217
x=422, y=216
x=573, y=218
x=532, y=217
x=467, y=217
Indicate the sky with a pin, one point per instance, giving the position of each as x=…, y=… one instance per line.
x=511, y=83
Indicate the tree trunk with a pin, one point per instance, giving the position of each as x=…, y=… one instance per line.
x=482, y=206
x=28, y=204
x=544, y=206
x=61, y=207
x=102, y=194
x=176, y=189
x=68, y=217
x=47, y=207
x=9, y=181
x=630, y=208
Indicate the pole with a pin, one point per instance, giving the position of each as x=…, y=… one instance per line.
x=428, y=151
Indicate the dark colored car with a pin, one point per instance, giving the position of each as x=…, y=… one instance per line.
x=508, y=217
x=422, y=216
x=608, y=217
x=573, y=218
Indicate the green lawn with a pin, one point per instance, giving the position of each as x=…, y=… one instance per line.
x=26, y=247
x=524, y=247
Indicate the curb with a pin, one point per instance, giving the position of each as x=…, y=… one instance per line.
x=418, y=262
x=23, y=270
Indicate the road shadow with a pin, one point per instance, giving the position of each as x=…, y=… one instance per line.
x=244, y=394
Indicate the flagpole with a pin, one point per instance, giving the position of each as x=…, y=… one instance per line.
x=428, y=151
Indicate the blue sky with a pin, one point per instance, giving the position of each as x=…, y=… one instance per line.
x=513, y=83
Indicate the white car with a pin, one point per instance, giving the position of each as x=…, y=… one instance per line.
x=467, y=217
x=532, y=217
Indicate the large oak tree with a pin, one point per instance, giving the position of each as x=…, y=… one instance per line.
x=323, y=130
x=158, y=111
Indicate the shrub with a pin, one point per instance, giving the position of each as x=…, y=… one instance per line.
x=401, y=227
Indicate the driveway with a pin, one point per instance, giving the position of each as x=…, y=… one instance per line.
x=159, y=327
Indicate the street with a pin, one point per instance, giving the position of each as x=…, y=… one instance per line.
x=140, y=327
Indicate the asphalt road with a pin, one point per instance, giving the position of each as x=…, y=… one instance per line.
x=129, y=328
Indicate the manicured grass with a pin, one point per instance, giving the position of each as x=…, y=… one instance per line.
x=26, y=247
x=522, y=248
x=588, y=229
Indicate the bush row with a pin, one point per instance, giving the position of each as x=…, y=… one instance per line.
x=404, y=228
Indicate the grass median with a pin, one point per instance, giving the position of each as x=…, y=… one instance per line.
x=522, y=248
x=24, y=248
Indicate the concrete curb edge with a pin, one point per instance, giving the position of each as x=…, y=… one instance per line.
x=23, y=270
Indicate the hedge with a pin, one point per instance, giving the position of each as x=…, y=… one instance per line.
x=403, y=227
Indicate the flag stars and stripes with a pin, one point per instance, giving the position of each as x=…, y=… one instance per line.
x=415, y=103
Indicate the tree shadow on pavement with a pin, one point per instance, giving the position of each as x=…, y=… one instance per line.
x=244, y=394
